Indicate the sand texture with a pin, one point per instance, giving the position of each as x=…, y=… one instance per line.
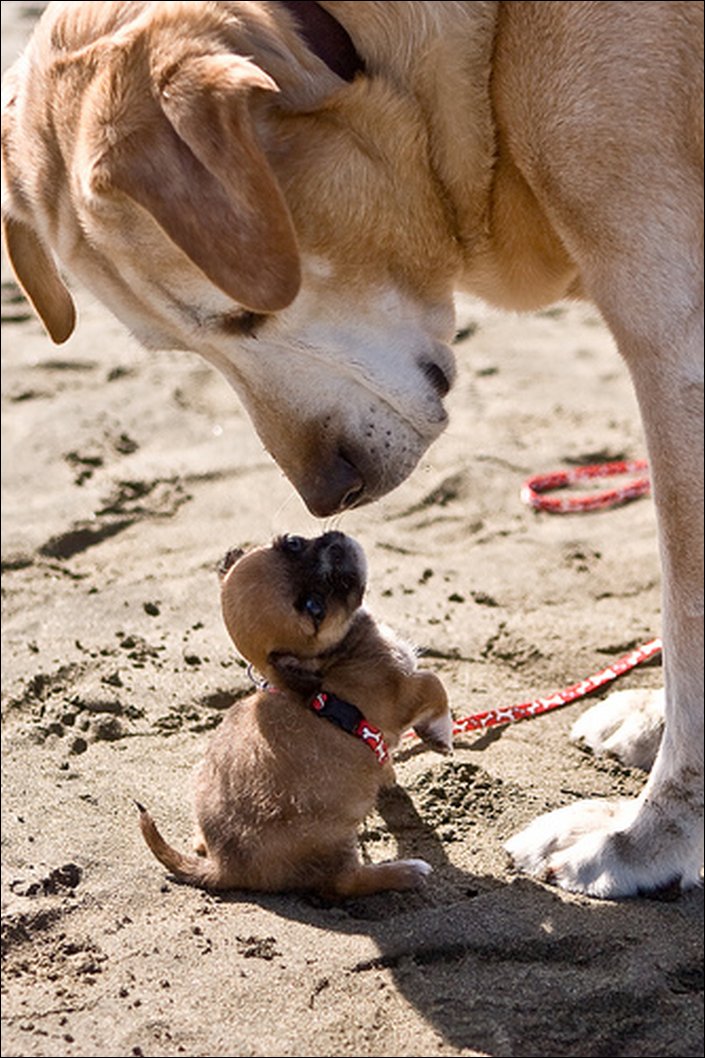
x=126, y=476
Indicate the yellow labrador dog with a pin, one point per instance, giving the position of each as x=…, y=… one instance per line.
x=295, y=189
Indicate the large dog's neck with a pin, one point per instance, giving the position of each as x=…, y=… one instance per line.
x=440, y=53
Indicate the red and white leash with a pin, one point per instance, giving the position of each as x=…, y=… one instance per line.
x=533, y=489
x=532, y=494
x=525, y=710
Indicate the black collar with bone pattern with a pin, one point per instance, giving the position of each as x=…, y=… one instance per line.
x=348, y=717
x=343, y=714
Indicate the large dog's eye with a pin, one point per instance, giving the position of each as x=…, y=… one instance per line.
x=242, y=324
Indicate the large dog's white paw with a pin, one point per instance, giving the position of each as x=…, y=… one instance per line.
x=627, y=725
x=610, y=849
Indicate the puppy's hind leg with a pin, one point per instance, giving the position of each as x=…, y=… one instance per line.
x=362, y=879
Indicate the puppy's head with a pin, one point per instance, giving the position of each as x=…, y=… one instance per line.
x=288, y=604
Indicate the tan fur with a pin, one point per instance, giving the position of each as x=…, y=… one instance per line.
x=282, y=791
x=195, y=163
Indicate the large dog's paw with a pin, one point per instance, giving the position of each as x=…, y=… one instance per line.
x=609, y=849
x=627, y=725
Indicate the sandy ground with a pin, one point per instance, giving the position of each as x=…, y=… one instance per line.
x=126, y=476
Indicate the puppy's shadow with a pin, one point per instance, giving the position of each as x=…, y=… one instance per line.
x=415, y=837
x=407, y=926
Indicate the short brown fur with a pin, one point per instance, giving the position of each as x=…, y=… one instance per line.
x=281, y=791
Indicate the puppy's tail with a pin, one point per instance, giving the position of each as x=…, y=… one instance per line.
x=194, y=870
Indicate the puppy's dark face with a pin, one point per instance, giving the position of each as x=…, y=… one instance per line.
x=294, y=599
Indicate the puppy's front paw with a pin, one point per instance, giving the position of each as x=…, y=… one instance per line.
x=437, y=733
x=389, y=776
x=626, y=725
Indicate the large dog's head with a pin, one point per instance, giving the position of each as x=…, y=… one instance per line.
x=223, y=190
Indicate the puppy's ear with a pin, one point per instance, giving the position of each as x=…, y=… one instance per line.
x=229, y=559
x=194, y=163
x=294, y=674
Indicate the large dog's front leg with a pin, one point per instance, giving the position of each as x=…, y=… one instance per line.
x=602, y=117
x=613, y=849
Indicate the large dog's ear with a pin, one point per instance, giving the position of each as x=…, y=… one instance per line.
x=196, y=166
x=31, y=260
x=38, y=276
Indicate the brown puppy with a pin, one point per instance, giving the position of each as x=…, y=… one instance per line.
x=281, y=790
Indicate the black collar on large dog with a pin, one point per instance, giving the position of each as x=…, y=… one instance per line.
x=349, y=718
x=326, y=37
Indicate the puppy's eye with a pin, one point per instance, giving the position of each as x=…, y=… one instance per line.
x=292, y=544
x=314, y=608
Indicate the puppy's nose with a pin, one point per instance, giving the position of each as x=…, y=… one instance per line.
x=337, y=486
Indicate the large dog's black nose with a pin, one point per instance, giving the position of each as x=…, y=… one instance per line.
x=337, y=486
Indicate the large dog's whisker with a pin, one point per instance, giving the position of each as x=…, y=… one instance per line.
x=278, y=516
x=334, y=522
